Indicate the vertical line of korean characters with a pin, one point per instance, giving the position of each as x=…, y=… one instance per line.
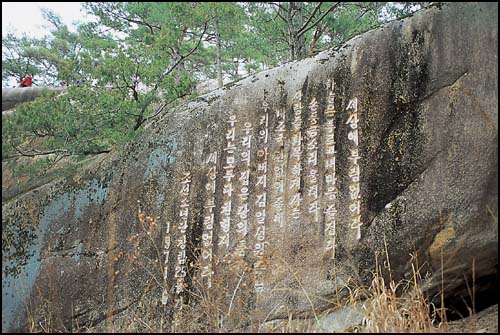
x=166, y=252
x=279, y=167
x=330, y=176
x=180, y=269
x=312, y=160
x=295, y=155
x=208, y=219
x=354, y=168
x=227, y=190
x=260, y=203
x=244, y=180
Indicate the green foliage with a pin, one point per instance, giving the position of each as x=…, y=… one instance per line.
x=18, y=58
x=76, y=123
x=352, y=20
x=138, y=55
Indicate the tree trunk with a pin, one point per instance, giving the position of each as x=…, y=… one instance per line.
x=218, y=46
x=318, y=32
x=296, y=42
x=175, y=57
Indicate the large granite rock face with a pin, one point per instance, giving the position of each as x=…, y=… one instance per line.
x=284, y=187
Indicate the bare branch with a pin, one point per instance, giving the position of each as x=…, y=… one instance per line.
x=163, y=107
x=277, y=5
x=280, y=16
x=311, y=16
x=130, y=20
x=182, y=57
x=306, y=29
x=35, y=153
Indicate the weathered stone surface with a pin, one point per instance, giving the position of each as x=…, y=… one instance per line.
x=14, y=96
x=485, y=321
x=339, y=321
x=422, y=95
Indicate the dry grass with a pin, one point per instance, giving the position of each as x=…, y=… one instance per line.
x=227, y=307
x=230, y=305
x=400, y=307
x=388, y=307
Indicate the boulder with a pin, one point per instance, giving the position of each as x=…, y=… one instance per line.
x=13, y=96
x=278, y=193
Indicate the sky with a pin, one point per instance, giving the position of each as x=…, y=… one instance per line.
x=26, y=17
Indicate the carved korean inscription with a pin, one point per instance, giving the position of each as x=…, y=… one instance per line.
x=295, y=198
x=208, y=220
x=180, y=269
x=242, y=212
x=166, y=252
x=312, y=189
x=261, y=197
x=278, y=186
x=354, y=170
x=302, y=185
x=330, y=194
x=229, y=166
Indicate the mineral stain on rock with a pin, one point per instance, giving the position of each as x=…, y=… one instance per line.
x=20, y=272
